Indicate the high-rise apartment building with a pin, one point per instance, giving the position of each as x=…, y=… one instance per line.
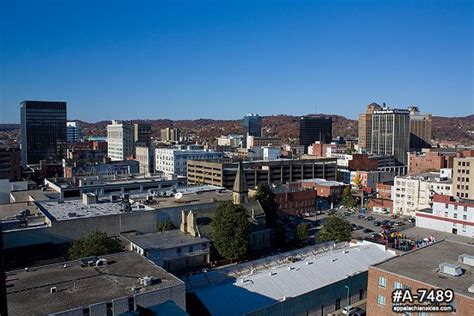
x=169, y=134
x=252, y=127
x=142, y=134
x=315, y=128
x=43, y=131
x=73, y=132
x=463, y=175
x=391, y=133
x=120, y=140
x=365, y=127
x=420, y=129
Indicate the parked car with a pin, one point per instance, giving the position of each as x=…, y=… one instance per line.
x=399, y=224
x=386, y=226
x=377, y=223
x=357, y=312
x=360, y=216
x=368, y=230
x=345, y=311
x=411, y=219
x=370, y=218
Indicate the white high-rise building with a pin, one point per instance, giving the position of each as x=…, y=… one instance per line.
x=175, y=160
x=73, y=132
x=120, y=141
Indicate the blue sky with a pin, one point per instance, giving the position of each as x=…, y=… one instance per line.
x=222, y=59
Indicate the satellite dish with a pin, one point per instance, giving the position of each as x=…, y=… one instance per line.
x=178, y=195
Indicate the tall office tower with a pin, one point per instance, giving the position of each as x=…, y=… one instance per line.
x=74, y=132
x=142, y=134
x=169, y=134
x=315, y=128
x=43, y=131
x=420, y=129
x=391, y=133
x=120, y=141
x=252, y=127
x=365, y=127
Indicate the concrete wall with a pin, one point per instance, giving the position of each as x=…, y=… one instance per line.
x=176, y=293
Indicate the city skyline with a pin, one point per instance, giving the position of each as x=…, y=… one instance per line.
x=206, y=60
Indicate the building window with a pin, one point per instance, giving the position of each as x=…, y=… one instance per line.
x=397, y=285
x=178, y=250
x=382, y=281
x=455, y=215
x=338, y=304
x=190, y=249
x=381, y=300
x=445, y=214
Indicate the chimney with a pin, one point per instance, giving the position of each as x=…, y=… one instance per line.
x=192, y=228
x=183, y=226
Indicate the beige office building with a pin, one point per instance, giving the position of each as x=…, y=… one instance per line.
x=365, y=127
x=463, y=175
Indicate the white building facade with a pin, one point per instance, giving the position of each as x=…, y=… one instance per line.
x=413, y=193
x=448, y=215
x=174, y=160
x=120, y=141
x=73, y=132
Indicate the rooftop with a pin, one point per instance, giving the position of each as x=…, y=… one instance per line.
x=427, y=176
x=423, y=265
x=11, y=210
x=28, y=293
x=189, y=196
x=324, y=182
x=35, y=195
x=276, y=280
x=165, y=240
x=72, y=209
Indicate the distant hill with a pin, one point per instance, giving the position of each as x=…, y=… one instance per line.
x=285, y=126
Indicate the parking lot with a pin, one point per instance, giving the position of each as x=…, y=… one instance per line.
x=365, y=224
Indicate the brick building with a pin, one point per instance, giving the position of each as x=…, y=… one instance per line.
x=295, y=202
x=423, y=268
x=10, y=163
x=427, y=160
x=325, y=188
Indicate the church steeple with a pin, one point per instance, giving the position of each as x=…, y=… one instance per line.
x=240, y=191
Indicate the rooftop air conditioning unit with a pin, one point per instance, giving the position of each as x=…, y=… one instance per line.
x=467, y=259
x=146, y=281
x=450, y=269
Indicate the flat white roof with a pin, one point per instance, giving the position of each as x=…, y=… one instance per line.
x=72, y=209
x=268, y=286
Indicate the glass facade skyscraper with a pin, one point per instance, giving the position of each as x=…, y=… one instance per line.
x=252, y=127
x=43, y=131
x=315, y=128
